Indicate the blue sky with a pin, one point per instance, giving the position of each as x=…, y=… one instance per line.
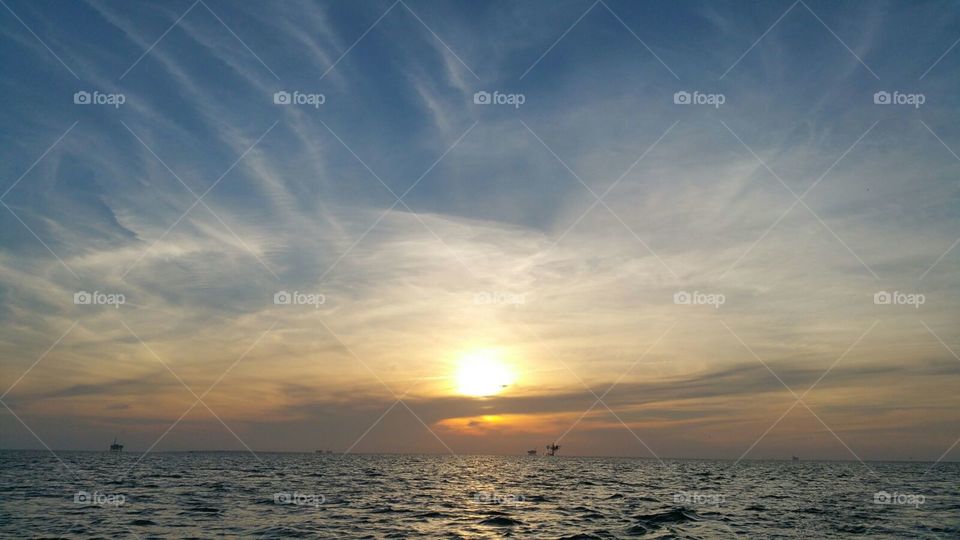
x=797, y=199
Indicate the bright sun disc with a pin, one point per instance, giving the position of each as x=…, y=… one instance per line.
x=482, y=373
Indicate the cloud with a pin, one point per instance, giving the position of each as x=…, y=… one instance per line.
x=498, y=215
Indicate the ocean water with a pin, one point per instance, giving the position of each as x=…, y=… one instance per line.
x=238, y=495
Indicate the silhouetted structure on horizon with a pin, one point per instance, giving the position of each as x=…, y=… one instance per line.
x=116, y=447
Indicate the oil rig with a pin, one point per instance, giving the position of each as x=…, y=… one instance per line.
x=552, y=449
x=116, y=447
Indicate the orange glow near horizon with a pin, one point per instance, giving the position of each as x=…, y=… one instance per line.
x=507, y=424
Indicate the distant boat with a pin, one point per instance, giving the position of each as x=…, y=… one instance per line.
x=532, y=452
x=552, y=449
x=116, y=447
x=795, y=458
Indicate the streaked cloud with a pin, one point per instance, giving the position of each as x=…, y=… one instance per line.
x=500, y=203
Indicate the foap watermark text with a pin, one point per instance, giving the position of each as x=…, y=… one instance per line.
x=97, y=298
x=484, y=298
x=699, y=98
x=897, y=298
x=96, y=97
x=699, y=498
x=903, y=499
x=299, y=499
x=297, y=97
x=697, y=298
x=483, y=97
x=99, y=499
x=297, y=298
x=492, y=497
x=899, y=98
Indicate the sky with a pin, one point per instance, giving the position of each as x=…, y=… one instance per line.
x=659, y=229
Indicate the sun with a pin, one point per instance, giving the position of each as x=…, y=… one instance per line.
x=483, y=373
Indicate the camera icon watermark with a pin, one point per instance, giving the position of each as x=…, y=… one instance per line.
x=698, y=98
x=883, y=97
x=897, y=298
x=97, y=298
x=99, y=499
x=299, y=499
x=283, y=97
x=482, y=97
x=297, y=298
x=903, y=499
x=697, y=298
x=82, y=97
x=486, y=298
x=699, y=498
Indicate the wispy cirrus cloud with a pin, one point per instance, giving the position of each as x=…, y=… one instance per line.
x=497, y=207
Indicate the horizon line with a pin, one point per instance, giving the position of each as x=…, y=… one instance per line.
x=334, y=453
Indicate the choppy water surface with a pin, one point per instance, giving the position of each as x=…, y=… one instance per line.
x=204, y=495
